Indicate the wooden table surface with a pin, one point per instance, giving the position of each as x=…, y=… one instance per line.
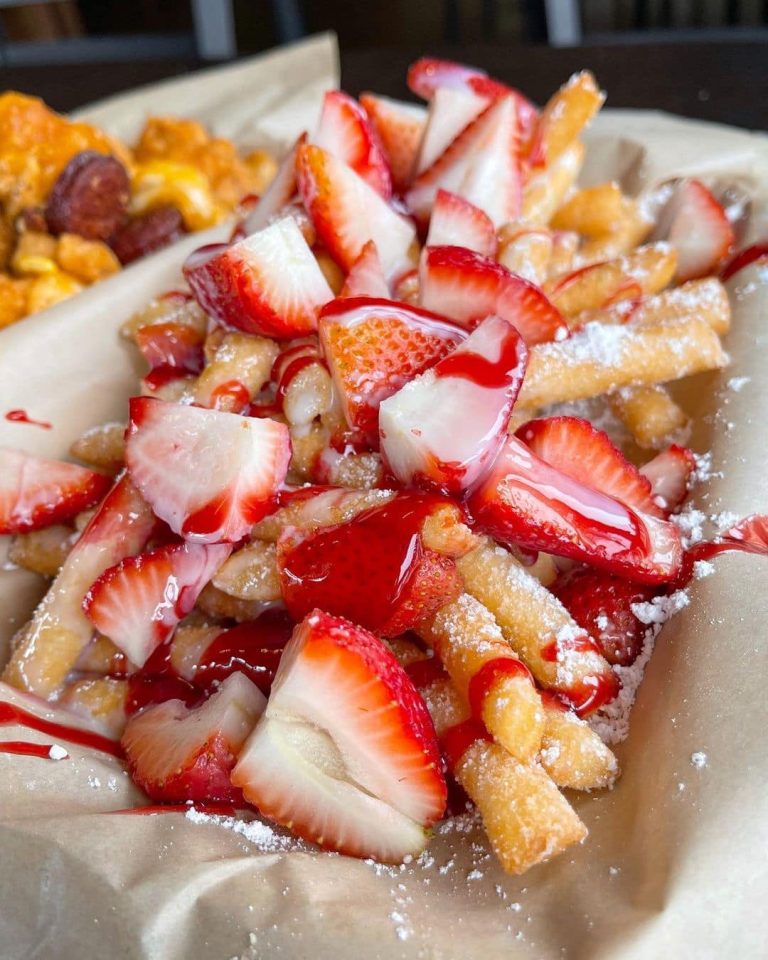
x=725, y=82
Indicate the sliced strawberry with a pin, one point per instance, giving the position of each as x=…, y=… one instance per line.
x=346, y=132
x=366, y=278
x=589, y=456
x=450, y=111
x=466, y=287
x=742, y=259
x=171, y=346
x=59, y=631
x=400, y=127
x=345, y=755
x=445, y=427
x=178, y=754
x=373, y=569
x=602, y=605
x=347, y=213
x=373, y=347
x=670, y=474
x=139, y=602
x=527, y=502
x=698, y=228
x=35, y=492
x=210, y=475
x=269, y=283
x=428, y=75
x=278, y=194
x=253, y=648
x=482, y=165
x=456, y=222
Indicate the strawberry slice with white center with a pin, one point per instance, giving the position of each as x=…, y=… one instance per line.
x=450, y=111
x=373, y=347
x=278, y=194
x=445, y=427
x=268, y=283
x=455, y=222
x=400, y=127
x=482, y=165
x=347, y=213
x=345, y=754
x=366, y=278
x=347, y=133
x=427, y=76
x=36, y=492
x=139, y=602
x=210, y=475
x=588, y=455
x=528, y=503
x=178, y=753
x=466, y=287
x=670, y=475
x=697, y=227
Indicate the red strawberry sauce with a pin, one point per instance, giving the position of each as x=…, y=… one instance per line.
x=21, y=416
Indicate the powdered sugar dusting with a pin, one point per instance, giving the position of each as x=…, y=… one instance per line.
x=255, y=831
x=611, y=722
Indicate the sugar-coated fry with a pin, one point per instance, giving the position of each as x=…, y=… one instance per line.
x=565, y=116
x=631, y=230
x=42, y=551
x=238, y=370
x=594, y=211
x=49, y=645
x=250, y=573
x=527, y=819
x=705, y=299
x=218, y=604
x=488, y=673
x=360, y=471
x=650, y=415
x=544, y=192
x=101, y=657
x=320, y=510
x=565, y=244
x=308, y=395
x=306, y=447
x=102, y=447
x=572, y=753
x=444, y=532
x=647, y=270
x=189, y=643
x=600, y=359
x=171, y=308
x=525, y=251
x=535, y=624
x=99, y=699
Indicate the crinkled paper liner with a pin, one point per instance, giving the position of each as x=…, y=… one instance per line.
x=675, y=864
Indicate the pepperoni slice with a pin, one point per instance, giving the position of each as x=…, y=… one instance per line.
x=147, y=233
x=90, y=197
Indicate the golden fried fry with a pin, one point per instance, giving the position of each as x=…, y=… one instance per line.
x=42, y=551
x=650, y=415
x=102, y=447
x=250, y=574
x=572, y=753
x=602, y=359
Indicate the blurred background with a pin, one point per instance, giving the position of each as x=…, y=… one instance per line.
x=33, y=32
x=702, y=58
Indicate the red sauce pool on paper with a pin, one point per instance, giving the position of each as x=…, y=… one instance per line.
x=21, y=416
x=26, y=749
x=10, y=713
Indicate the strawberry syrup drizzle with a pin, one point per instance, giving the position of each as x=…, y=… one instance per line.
x=234, y=392
x=307, y=570
x=483, y=682
x=21, y=416
x=11, y=714
x=493, y=374
x=212, y=809
x=26, y=749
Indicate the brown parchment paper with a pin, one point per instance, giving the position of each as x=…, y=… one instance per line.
x=675, y=864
